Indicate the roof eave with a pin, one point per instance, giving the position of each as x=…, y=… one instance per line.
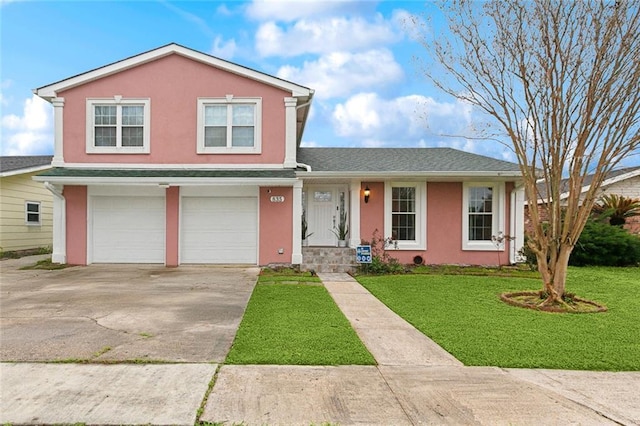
x=165, y=181
x=605, y=183
x=25, y=170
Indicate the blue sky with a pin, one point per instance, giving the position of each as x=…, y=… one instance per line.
x=358, y=56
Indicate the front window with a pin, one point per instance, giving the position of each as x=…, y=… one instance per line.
x=483, y=218
x=229, y=125
x=403, y=213
x=118, y=125
x=32, y=213
x=480, y=213
x=406, y=215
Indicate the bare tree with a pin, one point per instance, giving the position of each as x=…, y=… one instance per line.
x=560, y=82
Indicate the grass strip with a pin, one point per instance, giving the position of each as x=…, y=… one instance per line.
x=465, y=316
x=291, y=323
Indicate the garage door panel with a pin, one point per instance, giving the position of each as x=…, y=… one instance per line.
x=219, y=230
x=128, y=229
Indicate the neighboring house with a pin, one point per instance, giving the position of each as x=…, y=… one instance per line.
x=25, y=205
x=176, y=157
x=625, y=182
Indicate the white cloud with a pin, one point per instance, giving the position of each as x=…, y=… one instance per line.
x=31, y=133
x=323, y=36
x=413, y=120
x=223, y=10
x=288, y=11
x=412, y=25
x=223, y=49
x=340, y=74
x=189, y=17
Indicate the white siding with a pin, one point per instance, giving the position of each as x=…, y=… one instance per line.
x=15, y=234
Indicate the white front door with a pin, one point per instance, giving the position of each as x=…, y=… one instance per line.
x=324, y=204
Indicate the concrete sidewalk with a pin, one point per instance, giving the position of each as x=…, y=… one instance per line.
x=100, y=394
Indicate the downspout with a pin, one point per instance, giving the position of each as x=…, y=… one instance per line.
x=54, y=191
x=303, y=105
x=59, y=254
x=517, y=240
x=306, y=166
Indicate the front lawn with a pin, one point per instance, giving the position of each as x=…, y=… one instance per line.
x=465, y=316
x=292, y=320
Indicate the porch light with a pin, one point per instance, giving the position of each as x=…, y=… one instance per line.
x=367, y=192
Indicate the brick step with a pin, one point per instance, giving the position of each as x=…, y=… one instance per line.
x=328, y=259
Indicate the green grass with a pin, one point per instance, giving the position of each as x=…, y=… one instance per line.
x=46, y=264
x=292, y=320
x=465, y=316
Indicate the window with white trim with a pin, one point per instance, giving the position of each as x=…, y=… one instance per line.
x=118, y=125
x=483, y=215
x=32, y=213
x=405, y=214
x=229, y=125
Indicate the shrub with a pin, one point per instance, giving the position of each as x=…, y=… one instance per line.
x=601, y=244
x=381, y=261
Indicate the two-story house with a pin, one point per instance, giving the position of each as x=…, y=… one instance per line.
x=174, y=156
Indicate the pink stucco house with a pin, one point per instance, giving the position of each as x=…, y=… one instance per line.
x=177, y=157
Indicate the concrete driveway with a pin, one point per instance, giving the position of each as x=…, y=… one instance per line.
x=121, y=312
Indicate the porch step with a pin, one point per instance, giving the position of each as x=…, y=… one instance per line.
x=328, y=259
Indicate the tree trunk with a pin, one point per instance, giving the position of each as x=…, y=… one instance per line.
x=555, y=276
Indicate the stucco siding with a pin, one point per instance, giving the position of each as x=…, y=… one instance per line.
x=173, y=84
x=15, y=234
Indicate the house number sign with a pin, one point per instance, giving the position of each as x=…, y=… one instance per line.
x=277, y=198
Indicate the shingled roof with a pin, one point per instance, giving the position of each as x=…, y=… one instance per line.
x=411, y=160
x=11, y=165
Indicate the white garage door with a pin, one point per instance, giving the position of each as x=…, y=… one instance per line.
x=128, y=229
x=219, y=230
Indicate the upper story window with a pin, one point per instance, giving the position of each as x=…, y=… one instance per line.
x=483, y=218
x=405, y=214
x=118, y=125
x=32, y=213
x=229, y=125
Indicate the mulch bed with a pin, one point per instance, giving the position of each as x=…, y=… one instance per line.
x=533, y=299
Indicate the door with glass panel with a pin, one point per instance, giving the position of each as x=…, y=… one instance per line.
x=323, y=210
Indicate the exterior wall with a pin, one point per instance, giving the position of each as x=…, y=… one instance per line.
x=629, y=188
x=172, y=232
x=76, y=198
x=275, y=227
x=174, y=83
x=372, y=213
x=444, y=226
x=15, y=234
